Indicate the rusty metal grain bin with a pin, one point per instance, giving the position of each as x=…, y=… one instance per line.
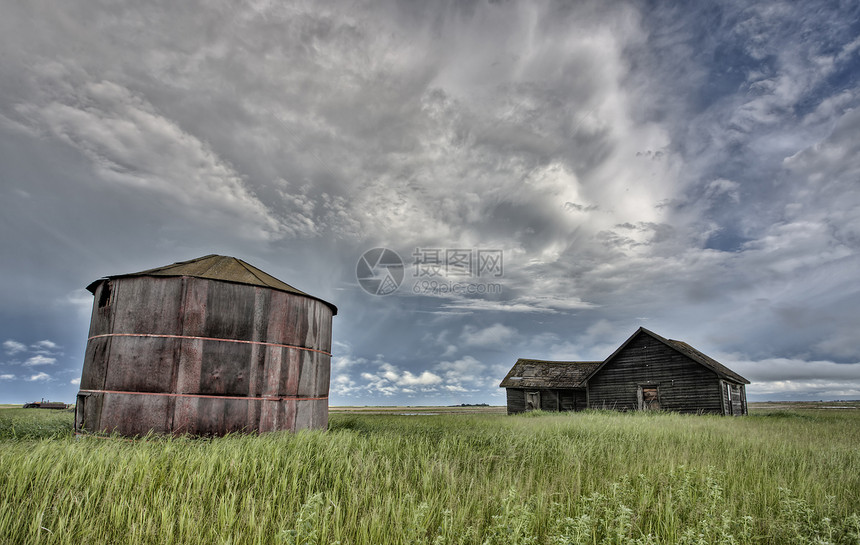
x=206, y=347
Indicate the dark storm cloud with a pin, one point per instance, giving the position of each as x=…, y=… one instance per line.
x=688, y=169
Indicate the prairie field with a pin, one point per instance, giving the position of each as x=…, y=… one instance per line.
x=780, y=475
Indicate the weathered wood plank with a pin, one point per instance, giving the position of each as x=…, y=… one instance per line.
x=683, y=384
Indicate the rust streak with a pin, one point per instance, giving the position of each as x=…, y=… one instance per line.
x=240, y=398
x=207, y=339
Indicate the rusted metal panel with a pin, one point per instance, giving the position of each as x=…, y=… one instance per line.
x=269, y=417
x=304, y=414
x=215, y=415
x=224, y=369
x=133, y=414
x=323, y=369
x=288, y=382
x=147, y=306
x=229, y=312
x=141, y=364
x=200, y=356
x=102, y=317
x=287, y=415
x=185, y=413
x=258, y=351
x=189, y=366
x=88, y=409
x=308, y=374
x=95, y=363
x=194, y=306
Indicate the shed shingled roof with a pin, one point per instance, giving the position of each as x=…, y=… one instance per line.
x=527, y=373
x=218, y=267
x=707, y=361
x=721, y=370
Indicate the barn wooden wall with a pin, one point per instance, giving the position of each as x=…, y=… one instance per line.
x=516, y=400
x=684, y=385
x=176, y=339
x=550, y=399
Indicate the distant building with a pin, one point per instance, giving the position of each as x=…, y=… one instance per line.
x=647, y=372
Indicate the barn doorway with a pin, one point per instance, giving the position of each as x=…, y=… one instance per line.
x=649, y=399
x=532, y=401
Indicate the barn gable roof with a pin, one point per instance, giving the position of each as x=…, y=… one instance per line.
x=721, y=370
x=218, y=267
x=527, y=373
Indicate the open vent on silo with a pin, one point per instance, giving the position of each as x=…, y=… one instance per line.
x=104, y=297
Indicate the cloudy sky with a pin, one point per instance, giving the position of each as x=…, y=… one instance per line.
x=693, y=171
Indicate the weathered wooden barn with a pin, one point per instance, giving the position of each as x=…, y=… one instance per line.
x=207, y=346
x=548, y=385
x=647, y=372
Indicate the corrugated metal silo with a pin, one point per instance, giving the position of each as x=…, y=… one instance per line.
x=207, y=346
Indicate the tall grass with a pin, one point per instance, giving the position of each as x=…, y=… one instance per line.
x=589, y=477
x=20, y=423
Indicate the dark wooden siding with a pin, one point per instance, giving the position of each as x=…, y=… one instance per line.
x=550, y=399
x=683, y=384
x=516, y=400
x=572, y=400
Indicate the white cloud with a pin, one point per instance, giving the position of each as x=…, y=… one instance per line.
x=823, y=389
x=426, y=378
x=131, y=144
x=526, y=305
x=344, y=362
x=495, y=335
x=45, y=347
x=795, y=377
x=40, y=377
x=786, y=369
x=13, y=347
x=39, y=359
x=7, y=377
x=75, y=381
x=465, y=372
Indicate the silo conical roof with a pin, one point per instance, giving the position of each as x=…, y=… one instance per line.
x=218, y=267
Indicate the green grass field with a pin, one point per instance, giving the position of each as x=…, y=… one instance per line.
x=777, y=476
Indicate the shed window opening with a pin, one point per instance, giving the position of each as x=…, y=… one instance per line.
x=532, y=401
x=650, y=399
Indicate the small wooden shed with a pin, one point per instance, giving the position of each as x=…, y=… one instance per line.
x=647, y=372
x=547, y=385
x=207, y=346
